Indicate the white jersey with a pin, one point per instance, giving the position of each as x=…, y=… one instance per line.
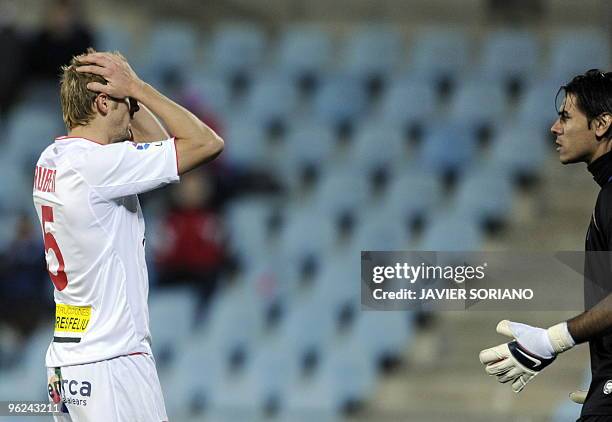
x=85, y=196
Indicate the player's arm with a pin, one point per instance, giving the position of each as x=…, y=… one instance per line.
x=146, y=127
x=196, y=143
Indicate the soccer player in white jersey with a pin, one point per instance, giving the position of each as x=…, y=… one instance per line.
x=99, y=364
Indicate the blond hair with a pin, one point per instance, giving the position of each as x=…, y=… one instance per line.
x=77, y=101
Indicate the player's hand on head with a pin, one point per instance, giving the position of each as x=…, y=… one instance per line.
x=121, y=80
x=531, y=350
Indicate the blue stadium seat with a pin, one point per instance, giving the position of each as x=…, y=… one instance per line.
x=171, y=51
x=383, y=234
x=339, y=102
x=194, y=376
x=246, y=144
x=589, y=48
x=305, y=52
x=485, y=196
x=340, y=196
x=247, y=222
x=271, y=101
x=307, y=151
x=371, y=333
x=262, y=388
x=305, y=242
x=237, y=48
x=235, y=320
x=520, y=150
x=408, y=101
x=480, y=104
x=345, y=378
x=27, y=140
x=451, y=232
x=377, y=151
x=448, y=148
x=111, y=36
x=211, y=90
x=172, y=316
x=440, y=53
x=412, y=196
x=510, y=54
x=306, y=332
x=372, y=53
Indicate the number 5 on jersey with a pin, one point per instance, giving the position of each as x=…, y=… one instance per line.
x=59, y=279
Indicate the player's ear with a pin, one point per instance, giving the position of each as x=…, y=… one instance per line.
x=603, y=122
x=102, y=104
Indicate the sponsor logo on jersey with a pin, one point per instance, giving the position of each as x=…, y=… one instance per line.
x=141, y=147
x=607, y=388
x=71, y=322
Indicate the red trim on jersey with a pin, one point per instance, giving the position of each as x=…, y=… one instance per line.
x=65, y=138
x=176, y=155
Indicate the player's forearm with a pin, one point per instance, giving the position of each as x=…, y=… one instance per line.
x=593, y=323
x=146, y=127
x=180, y=122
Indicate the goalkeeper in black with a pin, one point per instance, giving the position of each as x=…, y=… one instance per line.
x=583, y=133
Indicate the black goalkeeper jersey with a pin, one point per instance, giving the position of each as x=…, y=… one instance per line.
x=597, y=285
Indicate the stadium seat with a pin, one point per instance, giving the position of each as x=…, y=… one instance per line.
x=271, y=102
x=111, y=36
x=407, y=102
x=339, y=102
x=194, y=376
x=372, y=53
x=236, y=51
x=306, y=240
x=448, y=148
x=247, y=221
x=271, y=371
x=306, y=332
x=589, y=48
x=485, y=196
x=440, y=54
x=520, y=150
x=451, y=231
x=340, y=196
x=377, y=151
x=308, y=150
x=171, y=316
x=304, y=54
x=384, y=234
x=246, y=144
x=479, y=104
x=345, y=380
x=371, y=333
x=211, y=90
x=171, y=51
x=510, y=55
x=412, y=196
x=26, y=140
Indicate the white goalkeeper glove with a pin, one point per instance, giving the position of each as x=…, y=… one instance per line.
x=532, y=350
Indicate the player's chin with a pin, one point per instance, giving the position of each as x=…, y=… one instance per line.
x=568, y=159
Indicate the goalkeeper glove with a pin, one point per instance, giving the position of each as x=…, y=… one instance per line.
x=531, y=350
x=578, y=396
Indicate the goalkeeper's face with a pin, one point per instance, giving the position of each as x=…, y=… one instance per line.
x=575, y=139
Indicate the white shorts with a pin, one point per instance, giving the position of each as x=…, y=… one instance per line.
x=123, y=389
